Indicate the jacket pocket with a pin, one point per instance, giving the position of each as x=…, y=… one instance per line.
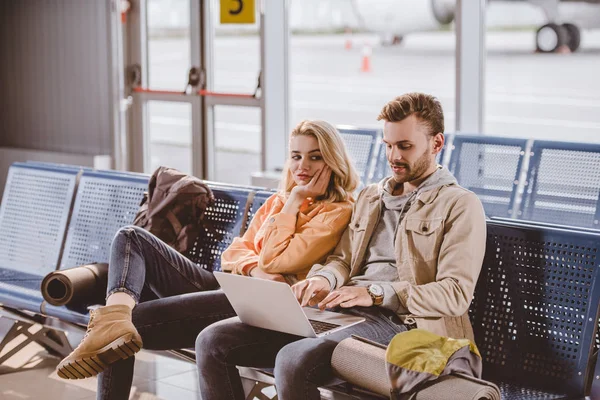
x=358, y=227
x=424, y=237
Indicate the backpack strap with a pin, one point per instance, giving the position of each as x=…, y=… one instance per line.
x=170, y=215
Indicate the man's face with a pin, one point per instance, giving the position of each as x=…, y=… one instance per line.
x=410, y=150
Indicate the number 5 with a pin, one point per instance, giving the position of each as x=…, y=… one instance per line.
x=239, y=9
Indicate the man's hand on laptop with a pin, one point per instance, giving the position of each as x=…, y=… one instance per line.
x=310, y=292
x=259, y=273
x=346, y=297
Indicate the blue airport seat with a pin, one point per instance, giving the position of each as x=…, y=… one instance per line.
x=105, y=202
x=361, y=144
x=109, y=200
x=33, y=220
x=490, y=167
x=224, y=220
x=57, y=165
x=259, y=199
x=535, y=309
x=563, y=184
x=595, y=392
x=382, y=168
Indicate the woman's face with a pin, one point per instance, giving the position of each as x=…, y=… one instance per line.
x=305, y=158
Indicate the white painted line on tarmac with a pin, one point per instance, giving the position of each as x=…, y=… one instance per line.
x=254, y=128
x=490, y=98
x=230, y=126
x=171, y=121
x=185, y=122
x=564, y=123
x=380, y=86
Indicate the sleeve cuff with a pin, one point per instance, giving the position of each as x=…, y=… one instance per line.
x=392, y=299
x=248, y=268
x=330, y=277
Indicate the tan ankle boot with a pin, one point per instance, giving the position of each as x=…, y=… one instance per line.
x=110, y=336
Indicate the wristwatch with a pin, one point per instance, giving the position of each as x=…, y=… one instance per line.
x=376, y=293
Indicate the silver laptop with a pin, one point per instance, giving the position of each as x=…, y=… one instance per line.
x=272, y=305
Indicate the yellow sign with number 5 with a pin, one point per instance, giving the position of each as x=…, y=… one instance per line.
x=237, y=11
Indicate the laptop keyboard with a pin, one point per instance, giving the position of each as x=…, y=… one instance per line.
x=320, y=326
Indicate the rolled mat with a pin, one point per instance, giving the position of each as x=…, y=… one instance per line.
x=83, y=285
x=458, y=387
x=363, y=365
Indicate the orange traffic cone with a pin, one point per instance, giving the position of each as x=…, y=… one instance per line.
x=366, y=59
x=564, y=49
x=348, y=43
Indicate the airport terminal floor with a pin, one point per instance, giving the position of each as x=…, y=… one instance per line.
x=95, y=95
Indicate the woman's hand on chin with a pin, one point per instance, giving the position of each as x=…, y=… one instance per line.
x=316, y=187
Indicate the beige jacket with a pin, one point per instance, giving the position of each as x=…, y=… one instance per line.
x=439, y=252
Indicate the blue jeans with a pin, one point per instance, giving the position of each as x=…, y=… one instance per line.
x=141, y=262
x=301, y=364
x=188, y=300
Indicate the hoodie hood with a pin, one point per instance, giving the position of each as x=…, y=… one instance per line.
x=441, y=177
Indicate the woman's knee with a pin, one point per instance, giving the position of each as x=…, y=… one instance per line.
x=129, y=231
x=128, y=237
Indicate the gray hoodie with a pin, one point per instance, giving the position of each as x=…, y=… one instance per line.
x=380, y=260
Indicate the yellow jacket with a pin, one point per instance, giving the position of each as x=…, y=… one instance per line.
x=288, y=244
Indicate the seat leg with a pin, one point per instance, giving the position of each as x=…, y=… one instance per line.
x=55, y=342
x=257, y=392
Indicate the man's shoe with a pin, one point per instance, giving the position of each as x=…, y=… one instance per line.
x=110, y=336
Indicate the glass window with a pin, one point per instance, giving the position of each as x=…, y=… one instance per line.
x=170, y=135
x=237, y=143
x=168, y=43
x=236, y=54
x=346, y=78
x=542, y=78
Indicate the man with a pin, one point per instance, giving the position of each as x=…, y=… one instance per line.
x=410, y=258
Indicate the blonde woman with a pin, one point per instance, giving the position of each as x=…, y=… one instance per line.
x=295, y=228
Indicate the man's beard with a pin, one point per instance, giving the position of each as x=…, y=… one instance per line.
x=415, y=171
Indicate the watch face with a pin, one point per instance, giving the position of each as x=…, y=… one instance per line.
x=376, y=290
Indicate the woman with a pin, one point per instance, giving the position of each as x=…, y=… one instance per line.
x=294, y=229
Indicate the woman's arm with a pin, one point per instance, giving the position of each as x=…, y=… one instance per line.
x=291, y=250
x=242, y=256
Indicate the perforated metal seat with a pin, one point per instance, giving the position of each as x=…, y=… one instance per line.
x=381, y=169
x=33, y=218
x=490, y=167
x=534, y=313
x=105, y=202
x=360, y=144
x=257, y=201
x=224, y=220
x=563, y=184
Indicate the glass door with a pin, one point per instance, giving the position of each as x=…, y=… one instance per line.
x=164, y=42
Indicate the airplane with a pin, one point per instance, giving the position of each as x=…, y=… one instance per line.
x=562, y=27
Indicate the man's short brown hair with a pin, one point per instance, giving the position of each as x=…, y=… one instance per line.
x=425, y=107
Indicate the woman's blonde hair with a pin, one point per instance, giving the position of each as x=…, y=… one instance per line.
x=344, y=179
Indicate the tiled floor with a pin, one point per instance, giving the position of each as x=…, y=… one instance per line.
x=30, y=375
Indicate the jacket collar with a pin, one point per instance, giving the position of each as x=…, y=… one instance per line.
x=427, y=197
x=374, y=197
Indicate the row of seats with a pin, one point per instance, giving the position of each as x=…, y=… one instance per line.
x=535, y=311
x=534, y=180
